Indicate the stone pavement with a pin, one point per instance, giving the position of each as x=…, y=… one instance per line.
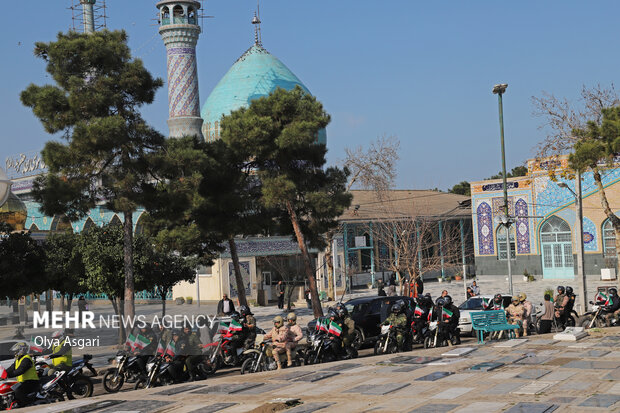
x=538, y=374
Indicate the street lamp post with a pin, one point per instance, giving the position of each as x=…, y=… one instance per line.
x=581, y=274
x=499, y=90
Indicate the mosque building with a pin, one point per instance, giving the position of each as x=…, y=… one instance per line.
x=543, y=238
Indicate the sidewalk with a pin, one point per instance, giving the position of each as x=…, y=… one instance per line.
x=535, y=375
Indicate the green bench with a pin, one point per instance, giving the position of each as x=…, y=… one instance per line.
x=490, y=321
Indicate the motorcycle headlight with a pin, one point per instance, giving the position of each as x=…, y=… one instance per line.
x=316, y=342
x=149, y=366
x=118, y=359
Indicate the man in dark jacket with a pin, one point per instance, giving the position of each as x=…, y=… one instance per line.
x=225, y=306
x=149, y=349
x=280, y=291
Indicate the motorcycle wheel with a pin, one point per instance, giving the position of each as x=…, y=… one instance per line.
x=358, y=339
x=585, y=322
x=140, y=384
x=113, y=383
x=82, y=387
x=250, y=365
x=378, y=347
x=309, y=358
x=428, y=342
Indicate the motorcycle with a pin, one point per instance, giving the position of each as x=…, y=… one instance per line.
x=74, y=382
x=387, y=343
x=418, y=332
x=595, y=318
x=50, y=391
x=262, y=359
x=127, y=370
x=220, y=354
x=323, y=349
x=158, y=374
x=437, y=335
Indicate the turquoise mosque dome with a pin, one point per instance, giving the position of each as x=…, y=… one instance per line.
x=255, y=74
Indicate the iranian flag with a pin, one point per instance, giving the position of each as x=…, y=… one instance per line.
x=485, y=303
x=171, y=350
x=130, y=341
x=160, y=348
x=34, y=347
x=602, y=297
x=235, y=326
x=325, y=324
x=418, y=311
x=3, y=374
x=446, y=313
x=335, y=329
x=141, y=342
x=223, y=328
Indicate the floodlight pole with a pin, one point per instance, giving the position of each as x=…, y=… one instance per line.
x=499, y=91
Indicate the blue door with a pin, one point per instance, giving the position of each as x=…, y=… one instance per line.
x=557, y=249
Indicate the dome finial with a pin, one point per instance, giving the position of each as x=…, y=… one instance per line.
x=256, y=22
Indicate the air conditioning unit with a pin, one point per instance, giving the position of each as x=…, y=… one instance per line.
x=608, y=274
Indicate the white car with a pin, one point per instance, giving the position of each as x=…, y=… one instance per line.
x=475, y=304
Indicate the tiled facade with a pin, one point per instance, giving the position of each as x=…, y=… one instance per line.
x=533, y=200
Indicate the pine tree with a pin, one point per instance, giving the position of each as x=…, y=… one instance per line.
x=278, y=135
x=94, y=105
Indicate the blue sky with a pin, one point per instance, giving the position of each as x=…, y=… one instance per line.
x=420, y=70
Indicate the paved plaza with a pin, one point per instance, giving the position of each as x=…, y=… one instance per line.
x=538, y=374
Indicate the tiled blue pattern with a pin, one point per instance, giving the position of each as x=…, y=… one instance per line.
x=590, y=240
x=254, y=75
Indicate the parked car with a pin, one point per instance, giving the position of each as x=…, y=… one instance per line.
x=368, y=313
x=475, y=304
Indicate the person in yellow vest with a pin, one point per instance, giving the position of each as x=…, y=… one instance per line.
x=23, y=368
x=62, y=355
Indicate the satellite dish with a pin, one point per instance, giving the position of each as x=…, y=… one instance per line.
x=5, y=187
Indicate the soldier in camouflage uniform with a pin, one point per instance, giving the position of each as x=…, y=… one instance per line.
x=515, y=313
x=398, y=320
x=348, y=328
x=249, y=326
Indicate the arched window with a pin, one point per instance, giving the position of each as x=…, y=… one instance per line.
x=501, y=243
x=88, y=224
x=115, y=221
x=609, y=240
x=165, y=15
x=178, y=15
x=557, y=248
x=191, y=15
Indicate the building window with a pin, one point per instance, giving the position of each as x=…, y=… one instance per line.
x=501, y=243
x=609, y=240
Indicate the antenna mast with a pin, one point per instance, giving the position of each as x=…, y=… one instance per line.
x=256, y=22
x=99, y=16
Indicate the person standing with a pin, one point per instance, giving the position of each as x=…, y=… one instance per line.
x=547, y=316
x=81, y=306
x=225, y=306
x=280, y=292
x=391, y=292
x=474, y=288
